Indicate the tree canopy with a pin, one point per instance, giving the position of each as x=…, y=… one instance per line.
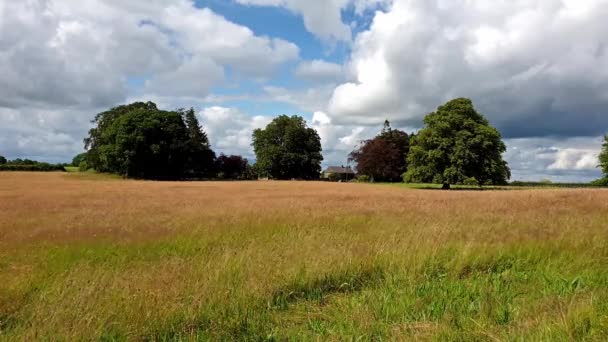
x=233, y=167
x=604, y=156
x=383, y=158
x=3, y=160
x=288, y=149
x=200, y=157
x=139, y=140
x=457, y=144
x=79, y=158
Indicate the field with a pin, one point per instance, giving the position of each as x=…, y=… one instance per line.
x=84, y=256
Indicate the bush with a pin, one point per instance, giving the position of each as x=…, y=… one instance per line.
x=363, y=179
x=83, y=166
x=471, y=181
x=600, y=182
x=32, y=167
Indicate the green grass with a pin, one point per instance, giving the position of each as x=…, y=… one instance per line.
x=523, y=293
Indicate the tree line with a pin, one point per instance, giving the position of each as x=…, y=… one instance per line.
x=28, y=165
x=457, y=145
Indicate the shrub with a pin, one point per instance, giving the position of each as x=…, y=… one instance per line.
x=363, y=179
x=600, y=182
x=471, y=181
x=32, y=167
x=83, y=166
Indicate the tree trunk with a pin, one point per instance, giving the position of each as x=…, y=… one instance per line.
x=446, y=186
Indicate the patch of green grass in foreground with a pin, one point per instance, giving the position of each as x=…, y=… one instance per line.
x=531, y=292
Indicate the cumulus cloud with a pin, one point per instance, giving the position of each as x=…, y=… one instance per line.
x=309, y=99
x=535, y=68
x=319, y=70
x=558, y=159
x=62, y=61
x=230, y=130
x=323, y=18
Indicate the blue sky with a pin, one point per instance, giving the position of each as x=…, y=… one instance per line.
x=345, y=65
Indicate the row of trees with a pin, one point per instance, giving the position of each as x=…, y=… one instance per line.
x=456, y=146
x=141, y=141
x=27, y=165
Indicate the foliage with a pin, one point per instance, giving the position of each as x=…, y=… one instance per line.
x=457, y=143
x=36, y=166
x=233, y=167
x=79, y=158
x=3, y=160
x=600, y=182
x=139, y=140
x=200, y=157
x=470, y=181
x=603, y=157
x=288, y=149
x=383, y=158
x=337, y=177
x=363, y=179
x=83, y=166
x=28, y=165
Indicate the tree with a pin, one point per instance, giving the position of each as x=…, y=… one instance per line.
x=3, y=160
x=383, y=158
x=457, y=143
x=79, y=158
x=201, y=159
x=604, y=157
x=232, y=167
x=141, y=141
x=288, y=149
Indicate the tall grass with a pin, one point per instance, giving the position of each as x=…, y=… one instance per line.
x=86, y=258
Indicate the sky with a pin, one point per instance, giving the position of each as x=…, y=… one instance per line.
x=537, y=69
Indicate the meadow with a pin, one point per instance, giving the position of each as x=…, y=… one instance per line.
x=89, y=257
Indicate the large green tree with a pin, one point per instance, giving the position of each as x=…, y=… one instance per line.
x=3, y=160
x=457, y=144
x=201, y=159
x=287, y=149
x=604, y=157
x=139, y=140
x=383, y=158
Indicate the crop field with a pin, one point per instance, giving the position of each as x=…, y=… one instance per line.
x=88, y=257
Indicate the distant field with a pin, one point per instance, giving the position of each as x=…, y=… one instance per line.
x=88, y=257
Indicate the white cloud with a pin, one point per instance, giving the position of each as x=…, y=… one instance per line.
x=82, y=53
x=533, y=67
x=319, y=70
x=321, y=17
x=230, y=130
x=310, y=99
x=62, y=61
x=559, y=159
x=575, y=159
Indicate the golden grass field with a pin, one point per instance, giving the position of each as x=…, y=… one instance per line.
x=90, y=257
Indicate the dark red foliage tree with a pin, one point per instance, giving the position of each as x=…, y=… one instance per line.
x=232, y=167
x=383, y=158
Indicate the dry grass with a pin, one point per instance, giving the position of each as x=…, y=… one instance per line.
x=88, y=257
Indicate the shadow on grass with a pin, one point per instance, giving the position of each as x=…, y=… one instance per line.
x=346, y=281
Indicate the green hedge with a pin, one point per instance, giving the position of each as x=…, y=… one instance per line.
x=32, y=167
